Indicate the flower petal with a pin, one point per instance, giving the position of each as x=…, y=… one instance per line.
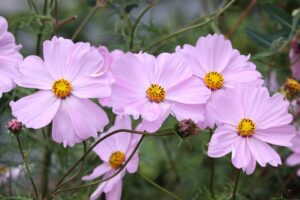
x=98, y=171
x=115, y=193
x=36, y=110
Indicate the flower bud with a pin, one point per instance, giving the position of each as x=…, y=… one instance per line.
x=186, y=127
x=14, y=126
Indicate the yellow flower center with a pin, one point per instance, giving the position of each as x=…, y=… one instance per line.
x=246, y=127
x=156, y=93
x=116, y=159
x=292, y=85
x=3, y=169
x=214, y=80
x=62, y=88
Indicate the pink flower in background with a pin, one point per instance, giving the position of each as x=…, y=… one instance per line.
x=218, y=66
x=155, y=87
x=9, y=57
x=114, y=151
x=9, y=173
x=250, y=119
x=65, y=79
x=294, y=159
x=295, y=57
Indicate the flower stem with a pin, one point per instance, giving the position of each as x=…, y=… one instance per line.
x=158, y=186
x=202, y=23
x=138, y=20
x=212, y=171
x=27, y=167
x=84, y=22
x=236, y=184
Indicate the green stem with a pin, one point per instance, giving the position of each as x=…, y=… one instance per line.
x=79, y=172
x=104, y=180
x=170, y=158
x=202, y=23
x=151, y=5
x=84, y=22
x=212, y=171
x=236, y=184
x=158, y=186
x=27, y=167
x=40, y=34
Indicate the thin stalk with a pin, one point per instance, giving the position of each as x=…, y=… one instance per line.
x=170, y=158
x=46, y=164
x=236, y=184
x=212, y=171
x=158, y=186
x=27, y=167
x=202, y=23
x=84, y=22
x=79, y=172
x=40, y=34
x=107, y=179
x=151, y=5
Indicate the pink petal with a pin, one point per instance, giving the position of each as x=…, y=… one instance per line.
x=240, y=77
x=192, y=58
x=274, y=114
x=222, y=141
x=98, y=171
x=133, y=164
x=171, y=70
x=187, y=111
x=241, y=155
x=95, y=195
x=263, y=153
x=115, y=193
x=193, y=92
x=36, y=110
x=293, y=159
x=62, y=129
x=87, y=117
x=281, y=135
x=34, y=74
x=93, y=87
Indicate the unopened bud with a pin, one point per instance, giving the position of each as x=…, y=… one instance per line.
x=186, y=128
x=14, y=126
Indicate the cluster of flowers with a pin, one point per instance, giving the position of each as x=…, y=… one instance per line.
x=210, y=83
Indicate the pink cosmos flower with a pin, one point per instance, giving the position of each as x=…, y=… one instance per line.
x=114, y=151
x=9, y=58
x=218, y=66
x=295, y=57
x=294, y=159
x=250, y=119
x=155, y=87
x=65, y=79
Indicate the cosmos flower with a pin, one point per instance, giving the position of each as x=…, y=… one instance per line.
x=218, y=66
x=250, y=119
x=9, y=173
x=294, y=159
x=65, y=79
x=114, y=151
x=9, y=58
x=153, y=88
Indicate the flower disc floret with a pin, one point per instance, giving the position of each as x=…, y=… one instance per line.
x=214, y=80
x=156, y=93
x=62, y=88
x=246, y=127
x=116, y=159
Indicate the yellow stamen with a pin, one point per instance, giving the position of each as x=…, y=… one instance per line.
x=62, y=88
x=292, y=85
x=116, y=159
x=156, y=93
x=214, y=80
x=246, y=127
